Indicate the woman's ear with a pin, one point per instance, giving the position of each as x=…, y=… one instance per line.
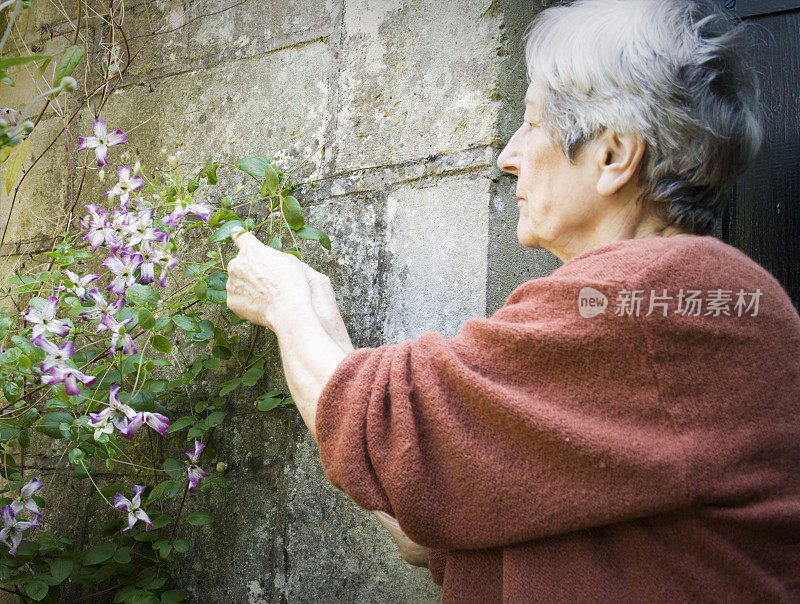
x=619, y=157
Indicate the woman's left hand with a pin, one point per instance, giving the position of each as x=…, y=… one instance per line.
x=265, y=286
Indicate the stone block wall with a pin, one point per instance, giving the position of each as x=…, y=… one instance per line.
x=398, y=109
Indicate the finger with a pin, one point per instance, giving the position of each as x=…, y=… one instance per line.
x=243, y=238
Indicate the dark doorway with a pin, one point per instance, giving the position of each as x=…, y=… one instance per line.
x=763, y=216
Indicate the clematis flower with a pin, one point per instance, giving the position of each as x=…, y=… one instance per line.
x=153, y=255
x=96, y=225
x=101, y=141
x=69, y=376
x=134, y=507
x=117, y=414
x=156, y=421
x=25, y=500
x=45, y=321
x=200, y=209
x=128, y=182
x=79, y=283
x=116, y=230
x=117, y=329
x=13, y=528
x=196, y=473
x=124, y=268
x=140, y=228
x=101, y=306
x=11, y=115
x=56, y=355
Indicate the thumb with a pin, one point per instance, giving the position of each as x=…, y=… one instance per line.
x=243, y=238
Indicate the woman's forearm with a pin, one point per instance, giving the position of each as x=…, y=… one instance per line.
x=309, y=355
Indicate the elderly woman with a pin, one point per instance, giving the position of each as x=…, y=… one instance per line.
x=625, y=429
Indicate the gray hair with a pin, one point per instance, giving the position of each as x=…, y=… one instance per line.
x=671, y=71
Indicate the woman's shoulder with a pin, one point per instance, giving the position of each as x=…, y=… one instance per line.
x=700, y=268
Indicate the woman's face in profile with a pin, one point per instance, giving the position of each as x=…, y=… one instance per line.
x=555, y=198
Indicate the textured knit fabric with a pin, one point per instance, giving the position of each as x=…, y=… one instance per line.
x=624, y=457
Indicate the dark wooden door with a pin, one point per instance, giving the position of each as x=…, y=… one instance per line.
x=763, y=216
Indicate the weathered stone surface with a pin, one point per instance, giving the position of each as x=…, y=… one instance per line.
x=417, y=78
x=230, y=113
x=338, y=552
x=38, y=211
x=437, y=245
x=246, y=27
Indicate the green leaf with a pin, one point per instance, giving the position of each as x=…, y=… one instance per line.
x=173, y=467
x=292, y=212
x=130, y=364
x=314, y=234
x=224, y=232
x=271, y=181
x=252, y=375
x=37, y=589
x=67, y=64
x=221, y=352
x=199, y=518
x=48, y=424
x=180, y=424
x=181, y=547
x=254, y=166
x=142, y=295
x=206, y=330
x=122, y=555
x=14, y=163
x=173, y=488
x=99, y=553
x=146, y=319
x=162, y=520
x=217, y=280
x=61, y=568
x=192, y=186
x=215, y=419
x=185, y=323
x=266, y=404
x=11, y=61
x=200, y=289
x=161, y=344
x=230, y=386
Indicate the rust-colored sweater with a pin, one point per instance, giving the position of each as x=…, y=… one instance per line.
x=623, y=457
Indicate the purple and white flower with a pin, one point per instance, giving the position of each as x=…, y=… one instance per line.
x=200, y=209
x=128, y=182
x=133, y=507
x=56, y=355
x=117, y=329
x=101, y=306
x=117, y=414
x=196, y=473
x=140, y=228
x=153, y=255
x=45, y=320
x=25, y=500
x=69, y=376
x=13, y=528
x=124, y=268
x=101, y=141
x=96, y=225
x=156, y=421
x=79, y=283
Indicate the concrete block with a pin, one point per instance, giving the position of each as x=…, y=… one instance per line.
x=338, y=552
x=39, y=207
x=246, y=28
x=437, y=241
x=416, y=78
x=230, y=113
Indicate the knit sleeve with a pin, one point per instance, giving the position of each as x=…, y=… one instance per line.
x=534, y=422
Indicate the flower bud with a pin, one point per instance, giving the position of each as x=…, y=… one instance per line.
x=101, y=174
x=172, y=162
x=3, y=123
x=136, y=167
x=27, y=126
x=69, y=84
x=221, y=467
x=163, y=151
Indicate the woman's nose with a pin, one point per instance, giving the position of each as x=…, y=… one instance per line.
x=508, y=160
